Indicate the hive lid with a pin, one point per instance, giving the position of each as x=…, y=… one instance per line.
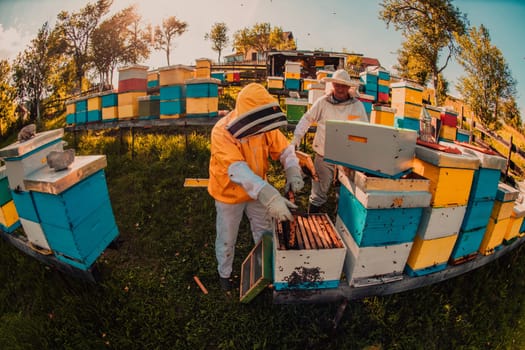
x=447, y=160
x=48, y=180
x=40, y=139
x=506, y=193
x=202, y=81
x=488, y=160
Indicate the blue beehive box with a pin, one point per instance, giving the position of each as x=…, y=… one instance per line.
x=75, y=210
x=172, y=107
x=292, y=84
x=172, y=92
x=379, y=211
x=468, y=243
x=109, y=99
x=25, y=205
x=202, y=87
x=81, y=111
x=406, y=123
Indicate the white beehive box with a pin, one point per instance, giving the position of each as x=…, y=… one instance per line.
x=22, y=158
x=372, y=265
x=441, y=222
x=35, y=234
x=377, y=149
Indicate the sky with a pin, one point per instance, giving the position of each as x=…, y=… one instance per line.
x=331, y=25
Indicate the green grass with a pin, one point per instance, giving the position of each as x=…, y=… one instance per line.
x=147, y=298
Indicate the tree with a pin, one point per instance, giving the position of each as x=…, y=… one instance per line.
x=488, y=79
x=262, y=38
x=218, y=36
x=76, y=30
x=33, y=69
x=511, y=114
x=434, y=23
x=164, y=36
x=7, y=98
x=242, y=41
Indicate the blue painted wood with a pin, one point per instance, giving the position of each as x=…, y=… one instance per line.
x=383, y=88
x=282, y=286
x=81, y=117
x=94, y=116
x=81, y=106
x=110, y=100
x=484, y=184
x=406, y=123
x=477, y=214
x=5, y=192
x=292, y=84
x=468, y=243
x=153, y=83
x=72, y=206
x=81, y=244
x=11, y=228
x=70, y=118
x=172, y=92
x=202, y=90
x=172, y=107
x=377, y=227
x=425, y=271
x=25, y=205
x=383, y=75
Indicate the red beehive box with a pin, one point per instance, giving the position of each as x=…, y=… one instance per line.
x=449, y=117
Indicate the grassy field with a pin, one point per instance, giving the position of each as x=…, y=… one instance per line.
x=147, y=299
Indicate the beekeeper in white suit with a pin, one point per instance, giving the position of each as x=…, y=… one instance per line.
x=340, y=103
x=241, y=144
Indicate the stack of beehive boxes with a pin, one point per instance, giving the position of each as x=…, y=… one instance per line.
x=449, y=124
x=81, y=110
x=173, y=90
x=308, y=83
x=22, y=159
x=109, y=105
x=480, y=203
x=407, y=99
x=219, y=75
x=153, y=79
x=451, y=174
x=8, y=215
x=233, y=77
x=368, y=103
x=202, y=97
x=514, y=228
x=70, y=112
x=383, y=86
x=316, y=91
x=292, y=75
x=94, y=108
x=369, y=79
x=378, y=219
x=133, y=82
x=499, y=220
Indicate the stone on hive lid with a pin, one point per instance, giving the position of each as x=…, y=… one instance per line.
x=60, y=160
x=27, y=132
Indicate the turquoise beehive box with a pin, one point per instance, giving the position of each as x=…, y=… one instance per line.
x=75, y=210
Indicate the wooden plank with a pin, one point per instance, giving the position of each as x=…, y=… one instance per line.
x=306, y=235
x=331, y=232
x=314, y=238
x=317, y=221
x=299, y=235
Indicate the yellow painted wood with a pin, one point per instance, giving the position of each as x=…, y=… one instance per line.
x=195, y=182
x=129, y=98
x=308, y=82
x=434, y=112
x=170, y=116
x=407, y=94
x=290, y=75
x=8, y=214
x=203, y=63
x=175, y=75
x=70, y=107
x=383, y=82
x=502, y=210
x=109, y=113
x=407, y=110
x=448, y=186
x=128, y=111
x=448, y=132
x=94, y=103
x=200, y=105
x=153, y=75
x=275, y=83
x=382, y=117
x=367, y=183
x=494, y=235
x=513, y=228
x=429, y=252
x=202, y=72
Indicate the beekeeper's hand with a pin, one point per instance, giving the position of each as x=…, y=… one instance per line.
x=296, y=142
x=276, y=204
x=294, y=180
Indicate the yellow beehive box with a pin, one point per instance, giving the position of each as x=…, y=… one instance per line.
x=407, y=92
x=382, y=115
x=502, y=210
x=323, y=74
x=128, y=111
x=450, y=175
x=513, y=228
x=202, y=105
x=153, y=75
x=203, y=63
x=494, y=235
x=406, y=109
x=291, y=75
x=447, y=132
x=8, y=214
x=109, y=113
x=383, y=82
x=307, y=83
x=130, y=98
x=175, y=75
x=70, y=107
x=319, y=63
x=203, y=73
x=275, y=82
x=428, y=253
x=94, y=103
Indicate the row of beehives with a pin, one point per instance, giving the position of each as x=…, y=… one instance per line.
x=405, y=209
x=64, y=213
x=169, y=92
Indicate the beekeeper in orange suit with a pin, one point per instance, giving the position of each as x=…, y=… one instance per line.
x=339, y=104
x=241, y=144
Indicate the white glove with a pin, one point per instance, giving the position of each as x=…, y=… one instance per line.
x=294, y=180
x=276, y=204
x=296, y=142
